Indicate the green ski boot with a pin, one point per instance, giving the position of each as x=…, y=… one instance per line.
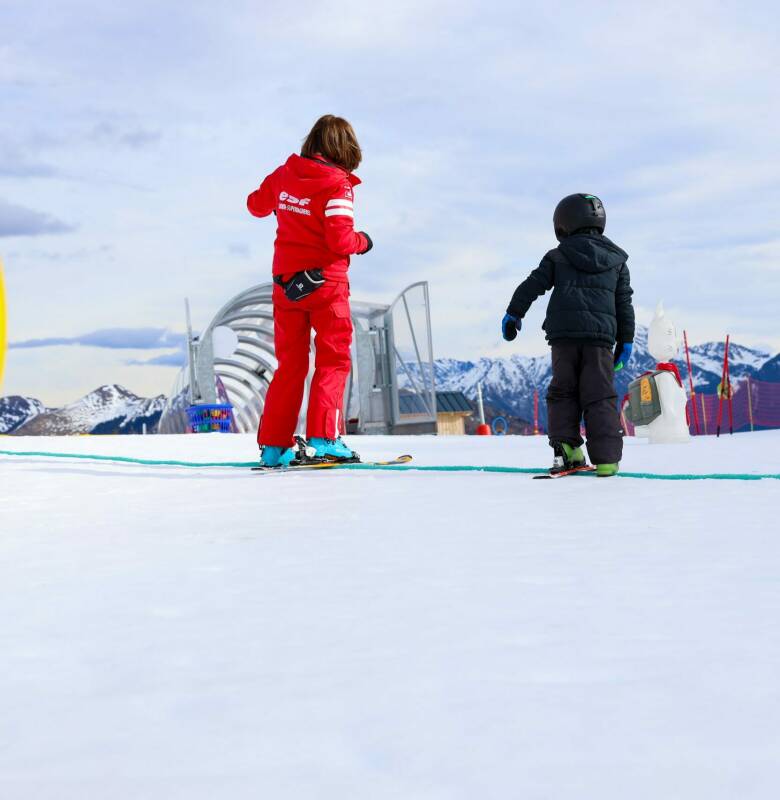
x=574, y=456
x=606, y=470
x=566, y=458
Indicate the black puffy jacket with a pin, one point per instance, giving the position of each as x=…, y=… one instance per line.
x=591, y=299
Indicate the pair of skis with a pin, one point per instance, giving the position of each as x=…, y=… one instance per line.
x=309, y=462
x=405, y=459
x=309, y=465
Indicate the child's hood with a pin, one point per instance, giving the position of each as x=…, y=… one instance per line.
x=306, y=177
x=592, y=252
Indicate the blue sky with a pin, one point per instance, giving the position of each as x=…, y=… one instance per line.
x=131, y=135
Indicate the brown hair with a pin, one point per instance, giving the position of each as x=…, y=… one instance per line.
x=333, y=138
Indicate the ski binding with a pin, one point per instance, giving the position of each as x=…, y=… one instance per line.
x=330, y=464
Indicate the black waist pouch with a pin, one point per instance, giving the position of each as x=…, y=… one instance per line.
x=301, y=285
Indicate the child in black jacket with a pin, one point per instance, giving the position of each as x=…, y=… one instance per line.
x=589, y=314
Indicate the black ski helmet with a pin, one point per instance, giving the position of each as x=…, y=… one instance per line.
x=578, y=211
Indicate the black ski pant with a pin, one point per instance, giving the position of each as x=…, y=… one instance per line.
x=583, y=386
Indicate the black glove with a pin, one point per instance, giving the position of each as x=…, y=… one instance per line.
x=370, y=243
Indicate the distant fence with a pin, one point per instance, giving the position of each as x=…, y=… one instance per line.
x=755, y=405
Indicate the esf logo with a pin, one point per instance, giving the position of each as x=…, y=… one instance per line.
x=294, y=201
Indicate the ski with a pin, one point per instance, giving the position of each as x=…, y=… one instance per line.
x=564, y=473
x=405, y=459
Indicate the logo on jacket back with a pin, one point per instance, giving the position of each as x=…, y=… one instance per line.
x=295, y=204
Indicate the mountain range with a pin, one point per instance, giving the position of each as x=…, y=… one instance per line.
x=108, y=409
x=508, y=386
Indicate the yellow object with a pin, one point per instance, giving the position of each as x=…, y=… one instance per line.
x=727, y=392
x=3, y=326
x=451, y=423
x=646, y=391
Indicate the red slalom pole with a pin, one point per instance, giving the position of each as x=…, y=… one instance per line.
x=690, y=381
x=728, y=390
x=722, y=387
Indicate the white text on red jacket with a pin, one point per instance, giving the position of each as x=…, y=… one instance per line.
x=295, y=204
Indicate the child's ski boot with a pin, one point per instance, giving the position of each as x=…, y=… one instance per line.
x=606, y=470
x=272, y=456
x=330, y=450
x=567, y=458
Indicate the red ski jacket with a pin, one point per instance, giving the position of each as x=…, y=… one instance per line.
x=314, y=209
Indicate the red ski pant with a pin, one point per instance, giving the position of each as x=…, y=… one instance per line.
x=327, y=312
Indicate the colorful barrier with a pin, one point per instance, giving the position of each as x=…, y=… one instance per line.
x=755, y=405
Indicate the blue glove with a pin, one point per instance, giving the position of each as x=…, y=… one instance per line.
x=510, y=326
x=622, y=355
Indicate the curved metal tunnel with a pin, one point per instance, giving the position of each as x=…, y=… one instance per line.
x=391, y=386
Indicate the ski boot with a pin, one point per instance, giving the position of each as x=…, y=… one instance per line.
x=566, y=458
x=273, y=456
x=606, y=470
x=330, y=450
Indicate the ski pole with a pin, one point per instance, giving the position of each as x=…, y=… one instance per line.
x=728, y=390
x=722, y=386
x=690, y=381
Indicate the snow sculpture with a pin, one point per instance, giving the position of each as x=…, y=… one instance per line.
x=657, y=400
x=662, y=341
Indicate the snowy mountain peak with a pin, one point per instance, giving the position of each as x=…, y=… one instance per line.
x=742, y=360
x=108, y=409
x=508, y=384
x=16, y=410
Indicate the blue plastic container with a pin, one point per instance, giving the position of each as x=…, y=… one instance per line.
x=208, y=418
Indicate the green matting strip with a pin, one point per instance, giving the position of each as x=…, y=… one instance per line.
x=653, y=476
x=149, y=462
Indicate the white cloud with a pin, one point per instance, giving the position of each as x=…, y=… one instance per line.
x=20, y=221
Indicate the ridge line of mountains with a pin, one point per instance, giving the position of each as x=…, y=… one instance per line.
x=107, y=409
x=508, y=386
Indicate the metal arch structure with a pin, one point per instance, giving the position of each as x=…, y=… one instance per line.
x=241, y=379
x=391, y=385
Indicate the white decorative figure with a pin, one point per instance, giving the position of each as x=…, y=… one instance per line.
x=662, y=341
x=660, y=396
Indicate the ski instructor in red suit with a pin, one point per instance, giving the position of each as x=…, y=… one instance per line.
x=312, y=196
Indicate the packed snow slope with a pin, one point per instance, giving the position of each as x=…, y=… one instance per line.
x=216, y=633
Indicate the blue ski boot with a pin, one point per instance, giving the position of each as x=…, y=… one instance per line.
x=330, y=450
x=272, y=456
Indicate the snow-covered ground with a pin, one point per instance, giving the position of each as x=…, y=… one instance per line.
x=178, y=633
